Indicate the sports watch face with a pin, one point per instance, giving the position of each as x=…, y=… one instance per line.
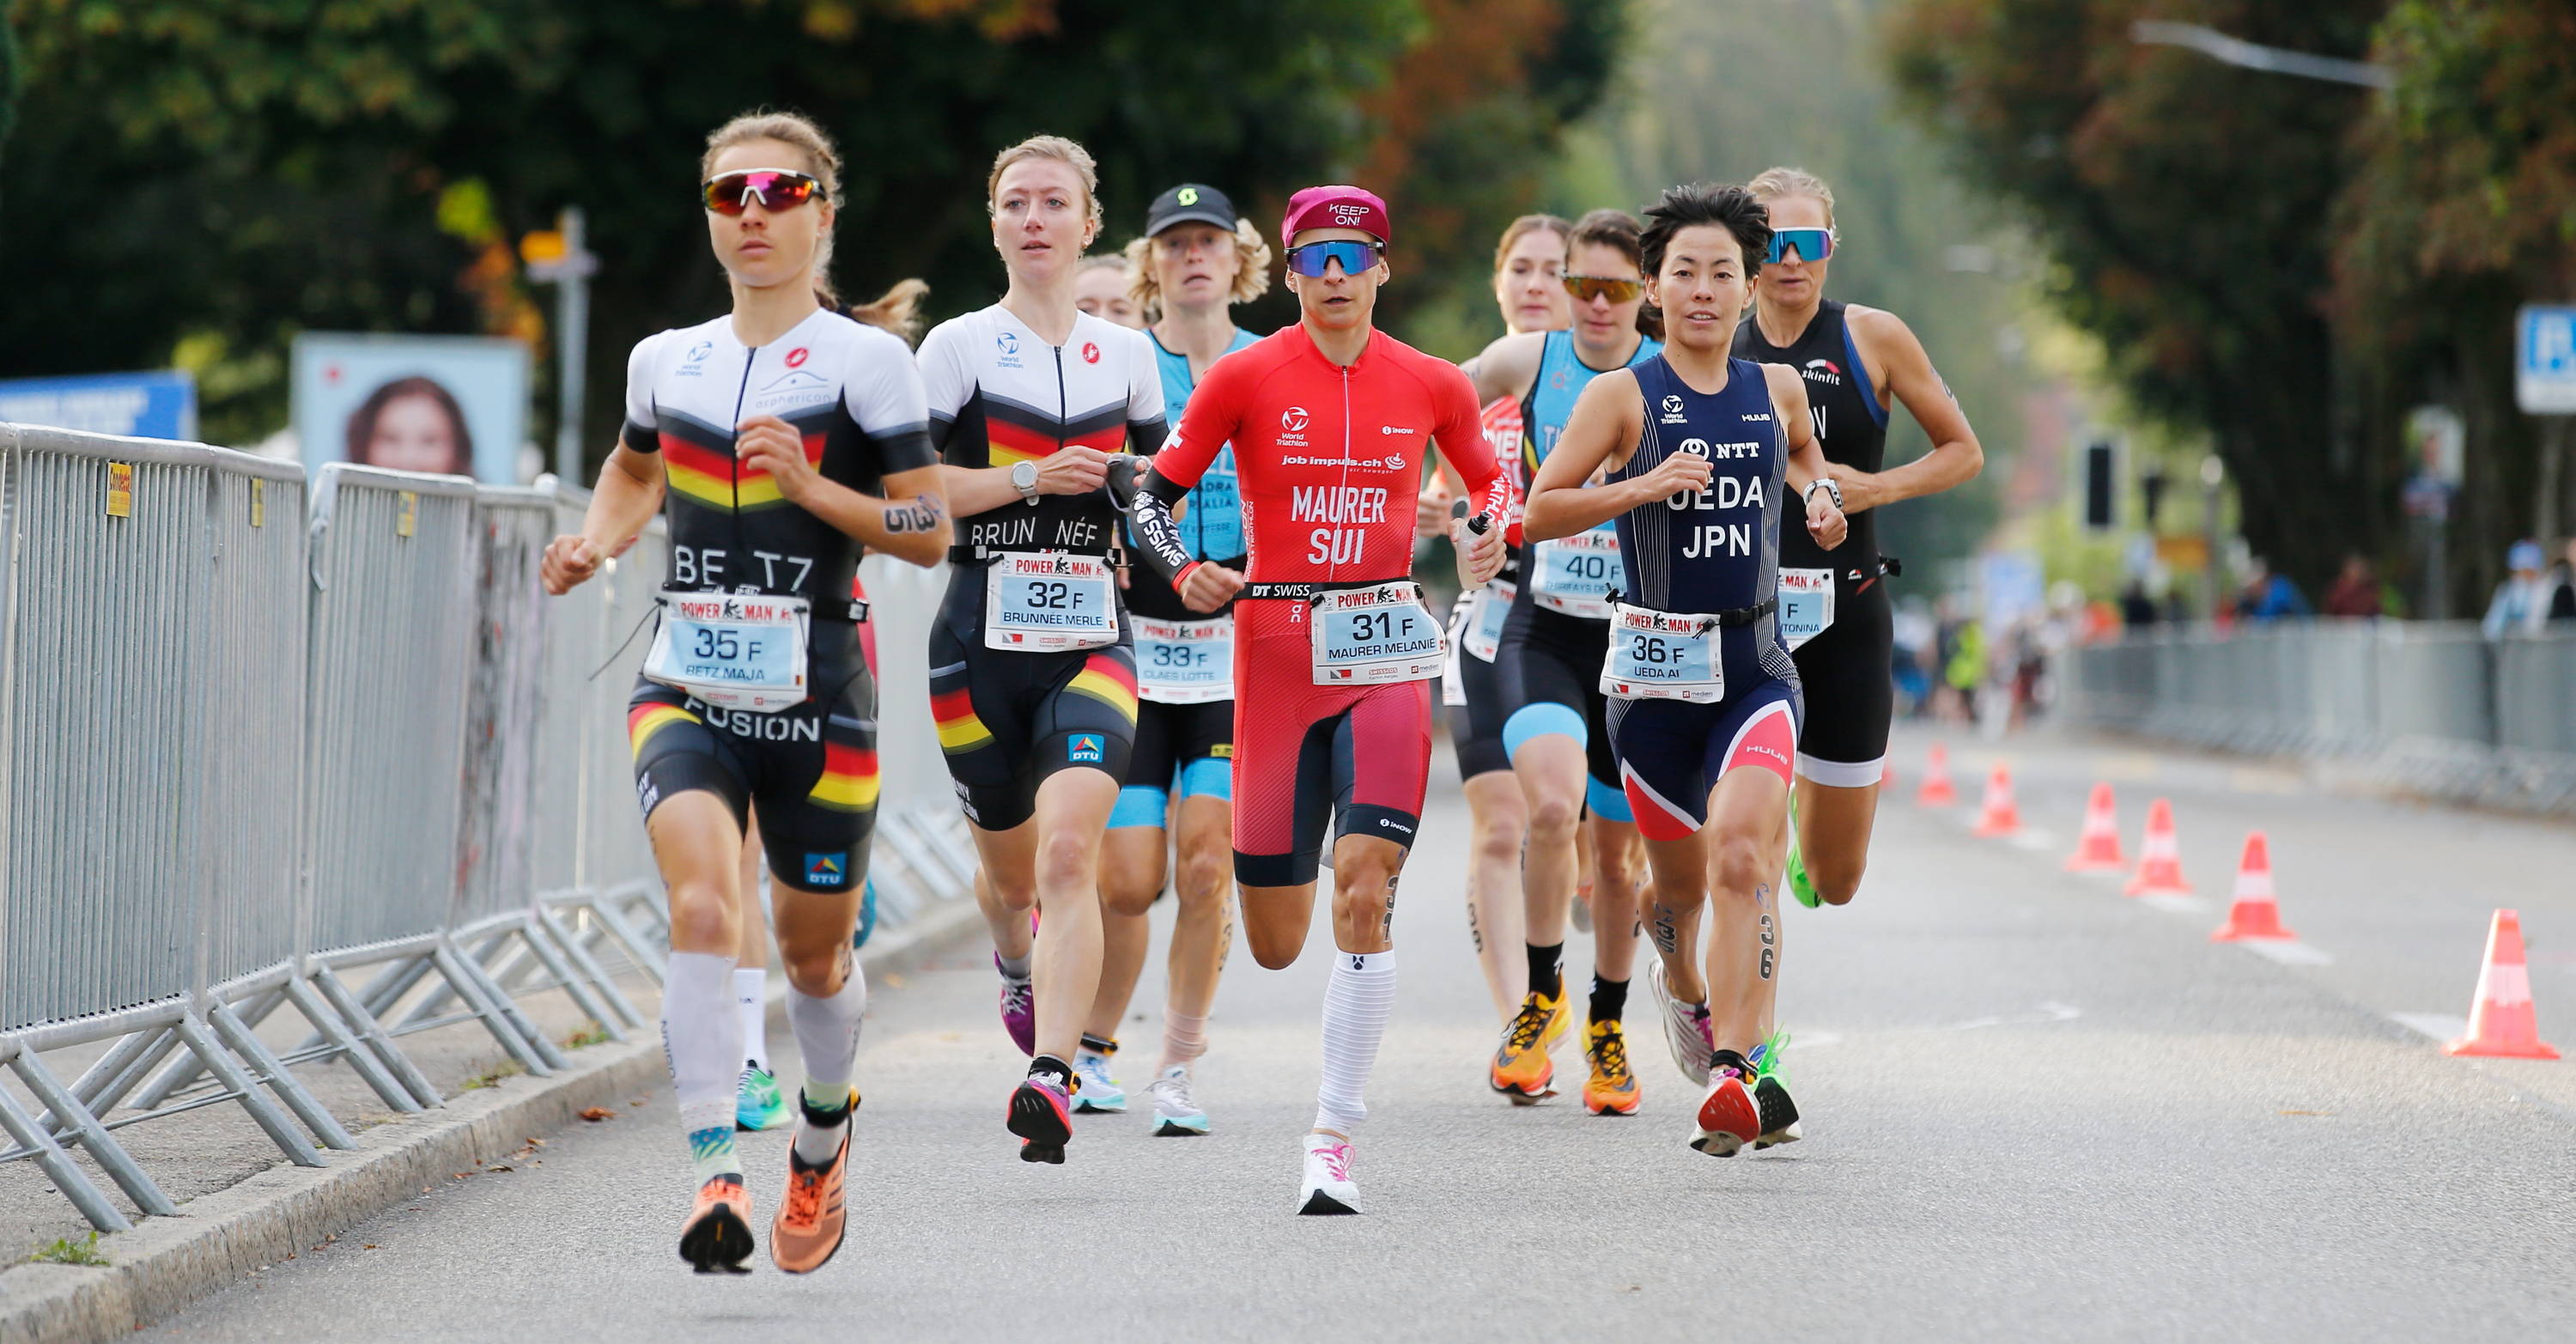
x=1024, y=476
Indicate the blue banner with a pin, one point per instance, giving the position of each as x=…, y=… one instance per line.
x=161, y=405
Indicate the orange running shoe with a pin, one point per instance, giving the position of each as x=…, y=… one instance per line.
x=1612, y=1088
x=809, y=1226
x=717, y=1237
x=1522, y=1070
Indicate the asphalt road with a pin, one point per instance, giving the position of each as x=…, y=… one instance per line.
x=2035, y=1110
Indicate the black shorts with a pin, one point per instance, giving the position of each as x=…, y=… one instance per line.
x=1186, y=750
x=811, y=770
x=1849, y=680
x=1476, y=727
x=1008, y=719
x=1550, y=665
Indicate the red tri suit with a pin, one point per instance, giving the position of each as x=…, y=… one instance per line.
x=1330, y=463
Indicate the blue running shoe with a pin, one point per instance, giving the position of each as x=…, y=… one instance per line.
x=757, y=1103
x=1099, y=1091
x=867, y=915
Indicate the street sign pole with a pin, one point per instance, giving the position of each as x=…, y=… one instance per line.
x=562, y=260
x=2544, y=384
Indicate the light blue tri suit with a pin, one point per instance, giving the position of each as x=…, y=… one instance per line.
x=1548, y=662
x=1186, y=749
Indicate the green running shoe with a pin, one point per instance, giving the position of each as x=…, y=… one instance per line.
x=1799, y=885
x=757, y=1103
x=1779, y=1115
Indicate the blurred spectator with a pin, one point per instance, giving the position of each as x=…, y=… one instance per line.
x=2562, y=590
x=2137, y=610
x=2269, y=596
x=2355, y=591
x=2522, y=601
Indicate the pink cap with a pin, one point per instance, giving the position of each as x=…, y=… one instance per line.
x=1334, y=207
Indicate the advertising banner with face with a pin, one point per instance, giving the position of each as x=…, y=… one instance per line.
x=456, y=405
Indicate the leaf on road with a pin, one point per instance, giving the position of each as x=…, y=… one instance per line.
x=596, y=1114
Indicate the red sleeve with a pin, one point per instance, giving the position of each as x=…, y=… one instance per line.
x=1215, y=409
x=1460, y=433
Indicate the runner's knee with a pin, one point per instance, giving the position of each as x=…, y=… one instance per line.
x=1552, y=819
x=1499, y=833
x=702, y=914
x=1204, y=869
x=1738, y=864
x=1067, y=860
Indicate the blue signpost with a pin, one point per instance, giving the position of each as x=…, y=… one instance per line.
x=158, y=405
x=2544, y=365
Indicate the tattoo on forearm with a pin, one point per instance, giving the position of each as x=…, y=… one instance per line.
x=923, y=514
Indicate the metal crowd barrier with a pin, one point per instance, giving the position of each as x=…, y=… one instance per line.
x=253, y=738
x=2429, y=706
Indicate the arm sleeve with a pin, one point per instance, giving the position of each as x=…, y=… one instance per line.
x=882, y=391
x=1209, y=421
x=639, y=433
x=1460, y=433
x=945, y=382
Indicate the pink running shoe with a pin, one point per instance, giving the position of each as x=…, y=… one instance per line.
x=1019, y=1010
x=1042, y=1115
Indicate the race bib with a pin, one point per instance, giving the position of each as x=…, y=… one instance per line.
x=1806, y=604
x=1493, y=606
x=1381, y=633
x=1048, y=603
x=733, y=650
x=1184, y=662
x=1575, y=574
x=1663, y=655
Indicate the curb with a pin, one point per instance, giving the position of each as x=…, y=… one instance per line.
x=166, y=1264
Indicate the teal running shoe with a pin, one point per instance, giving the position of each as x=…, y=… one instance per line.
x=1099, y=1092
x=1771, y=1094
x=757, y=1102
x=1176, y=1113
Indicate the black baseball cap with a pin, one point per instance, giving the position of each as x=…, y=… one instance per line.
x=1189, y=203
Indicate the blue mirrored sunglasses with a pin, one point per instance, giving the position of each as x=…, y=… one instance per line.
x=1810, y=244
x=1313, y=258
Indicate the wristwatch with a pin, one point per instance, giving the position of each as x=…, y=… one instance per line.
x=1024, y=478
x=1833, y=489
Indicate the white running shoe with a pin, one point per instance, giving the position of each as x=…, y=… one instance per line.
x=1175, y=1112
x=1686, y=1031
x=1099, y=1091
x=1328, y=1187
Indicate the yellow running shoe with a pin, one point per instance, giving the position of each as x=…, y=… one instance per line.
x=1612, y=1088
x=1521, y=1069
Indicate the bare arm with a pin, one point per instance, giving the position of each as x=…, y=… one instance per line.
x=1907, y=374
x=627, y=496
x=1508, y=366
x=910, y=523
x=1602, y=431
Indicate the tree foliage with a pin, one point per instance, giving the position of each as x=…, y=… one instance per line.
x=2185, y=206
x=265, y=166
x=2461, y=208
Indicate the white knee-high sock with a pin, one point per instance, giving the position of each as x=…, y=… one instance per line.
x=1357, y=1002
x=827, y=1035
x=700, y=1038
x=751, y=999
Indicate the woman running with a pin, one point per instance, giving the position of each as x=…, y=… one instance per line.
x=1697, y=446
x=758, y=1104
x=1529, y=268
x=1032, y=673
x=783, y=437
x=1550, y=662
x=1835, y=610
x=1196, y=258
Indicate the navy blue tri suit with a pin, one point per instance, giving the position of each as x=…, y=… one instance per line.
x=1552, y=644
x=1713, y=555
x=1847, y=667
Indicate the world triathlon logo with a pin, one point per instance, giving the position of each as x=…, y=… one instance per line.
x=1293, y=420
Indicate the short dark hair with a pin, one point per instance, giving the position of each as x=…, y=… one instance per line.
x=1731, y=208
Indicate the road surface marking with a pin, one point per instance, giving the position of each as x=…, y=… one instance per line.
x=2439, y=1026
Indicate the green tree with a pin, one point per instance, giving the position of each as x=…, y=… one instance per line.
x=253, y=172
x=2463, y=207
x=2184, y=206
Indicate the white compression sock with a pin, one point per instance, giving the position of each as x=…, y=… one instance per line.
x=751, y=999
x=700, y=1040
x=827, y=1035
x=1357, y=1002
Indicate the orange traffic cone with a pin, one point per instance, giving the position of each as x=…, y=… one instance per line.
x=2159, y=857
x=2254, y=914
x=1937, y=791
x=2097, y=850
x=1998, y=815
x=2501, y=1022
